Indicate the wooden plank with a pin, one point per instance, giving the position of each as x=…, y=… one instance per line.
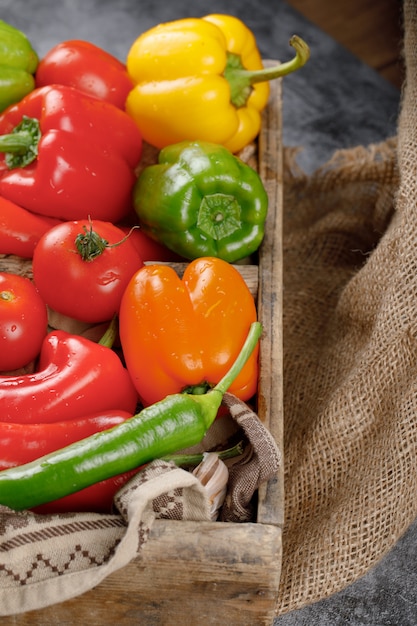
x=196, y=573
x=270, y=386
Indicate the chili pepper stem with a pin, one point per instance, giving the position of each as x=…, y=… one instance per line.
x=190, y=460
x=211, y=401
x=110, y=335
x=248, y=347
x=241, y=79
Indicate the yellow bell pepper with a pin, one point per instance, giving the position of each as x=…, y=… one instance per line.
x=202, y=79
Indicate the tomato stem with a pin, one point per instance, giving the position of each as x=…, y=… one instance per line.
x=90, y=244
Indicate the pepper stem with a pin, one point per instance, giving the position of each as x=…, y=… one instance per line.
x=190, y=460
x=211, y=401
x=110, y=334
x=241, y=79
x=21, y=145
x=255, y=331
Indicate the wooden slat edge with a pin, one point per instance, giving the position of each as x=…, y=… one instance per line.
x=208, y=572
x=270, y=391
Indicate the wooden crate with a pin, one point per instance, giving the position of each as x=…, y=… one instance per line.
x=212, y=572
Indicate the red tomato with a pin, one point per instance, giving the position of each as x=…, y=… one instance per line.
x=81, y=269
x=87, y=67
x=23, y=321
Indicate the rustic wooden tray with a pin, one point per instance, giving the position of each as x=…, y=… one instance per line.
x=212, y=572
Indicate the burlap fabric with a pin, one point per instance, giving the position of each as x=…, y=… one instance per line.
x=350, y=356
x=45, y=560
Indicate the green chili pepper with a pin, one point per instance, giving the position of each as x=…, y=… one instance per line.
x=192, y=460
x=18, y=63
x=179, y=421
x=201, y=200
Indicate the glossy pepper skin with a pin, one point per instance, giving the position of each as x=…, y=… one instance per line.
x=201, y=200
x=96, y=498
x=176, y=422
x=20, y=230
x=202, y=79
x=23, y=443
x=87, y=67
x=68, y=155
x=18, y=63
x=177, y=332
x=75, y=377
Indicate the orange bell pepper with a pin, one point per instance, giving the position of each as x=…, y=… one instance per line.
x=177, y=333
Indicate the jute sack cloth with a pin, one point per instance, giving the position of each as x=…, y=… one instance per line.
x=350, y=356
x=46, y=559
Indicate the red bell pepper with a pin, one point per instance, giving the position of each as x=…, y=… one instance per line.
x=20, y=230
x=68, y=155
x=75, y=377
x=87, y=67
x=22, y=443
x=97, y=498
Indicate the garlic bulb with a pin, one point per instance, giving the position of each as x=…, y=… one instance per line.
x=213, y=474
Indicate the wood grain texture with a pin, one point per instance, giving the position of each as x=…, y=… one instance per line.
x=205, y=573
x=270, y=388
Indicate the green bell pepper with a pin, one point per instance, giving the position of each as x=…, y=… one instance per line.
x=18, y=64
x=201, y=200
